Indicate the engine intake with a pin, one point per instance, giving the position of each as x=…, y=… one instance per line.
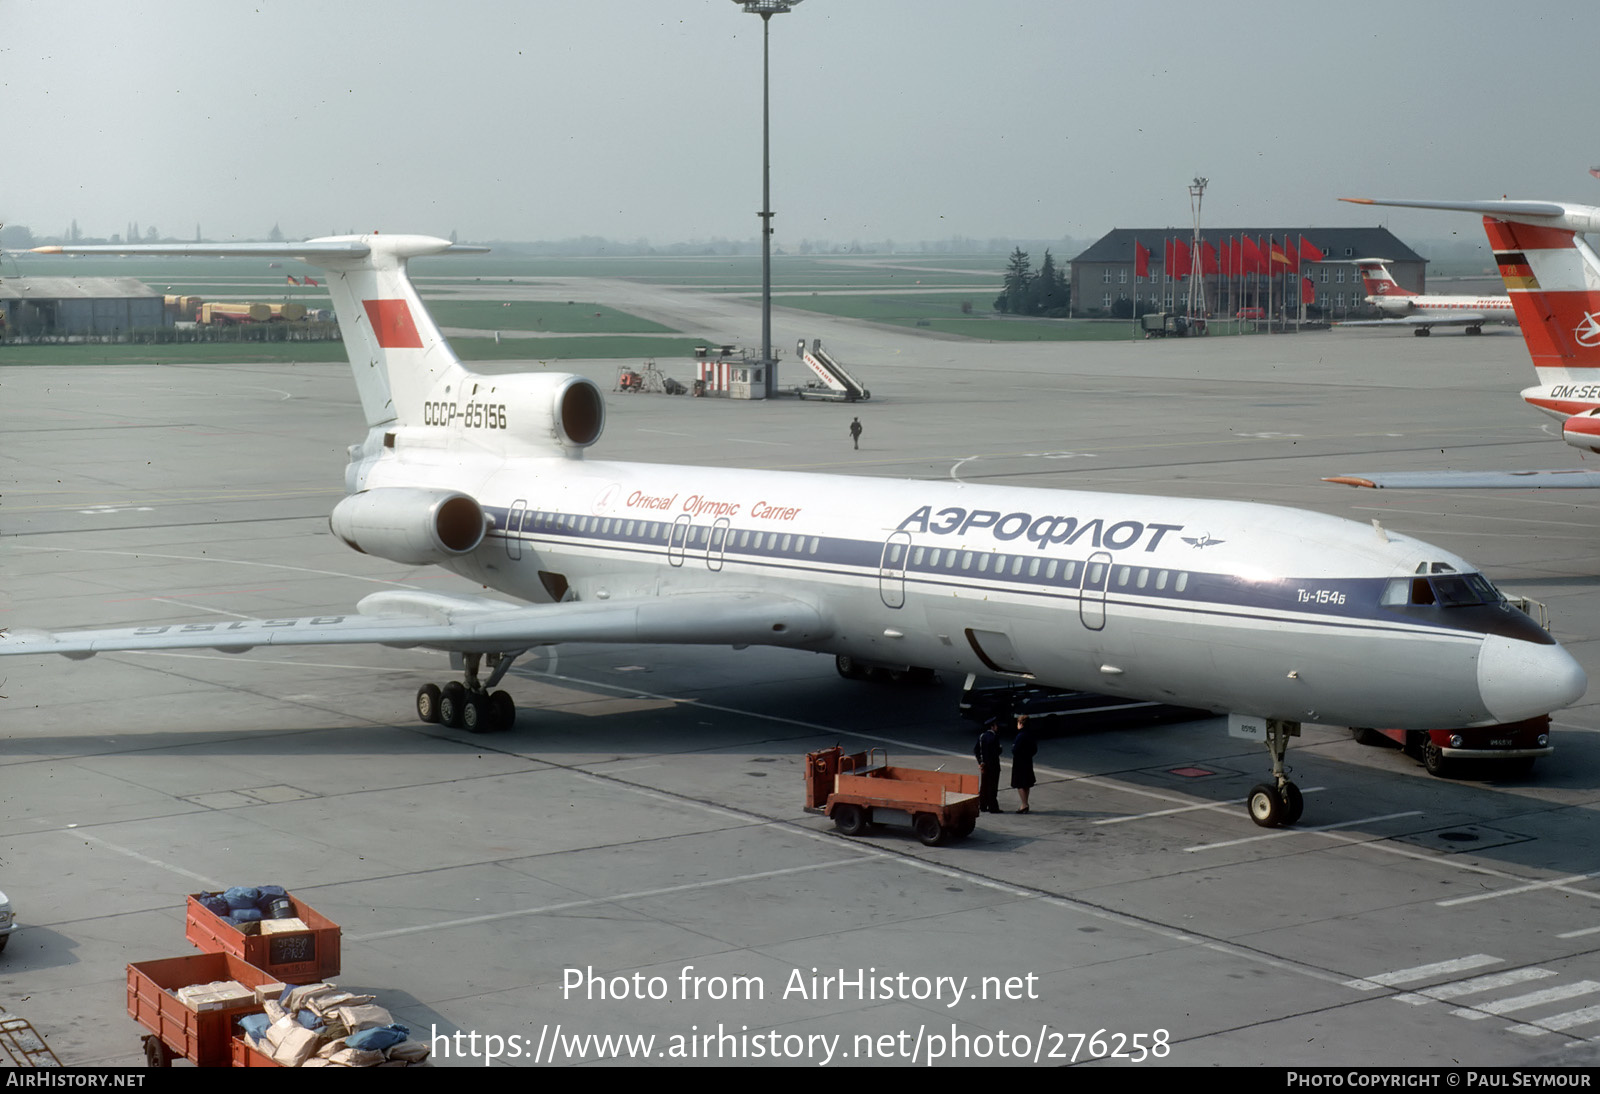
x=410, y=525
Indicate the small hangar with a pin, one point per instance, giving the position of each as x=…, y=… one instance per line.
x=55, y=306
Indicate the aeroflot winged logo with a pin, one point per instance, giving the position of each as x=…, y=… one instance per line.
x=1202, y=540
x=1044, y=530
x=1587, y=332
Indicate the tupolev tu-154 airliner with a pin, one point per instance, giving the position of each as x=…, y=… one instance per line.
x=1276, y=616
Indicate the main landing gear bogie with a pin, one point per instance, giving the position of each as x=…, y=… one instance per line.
x=853, y=668
x=471, y=705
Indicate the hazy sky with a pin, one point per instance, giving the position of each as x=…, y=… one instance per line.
x=900, y=119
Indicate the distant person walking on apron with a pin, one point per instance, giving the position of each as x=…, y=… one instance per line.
x=855, y=432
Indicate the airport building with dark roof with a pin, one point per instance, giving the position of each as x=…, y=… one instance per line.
x=1105, y=273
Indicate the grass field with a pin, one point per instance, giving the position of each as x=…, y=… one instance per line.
x=599, y=347
x=942, y=312
x=565, y=318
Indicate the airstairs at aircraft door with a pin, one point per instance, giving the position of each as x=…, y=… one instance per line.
x=835, y=382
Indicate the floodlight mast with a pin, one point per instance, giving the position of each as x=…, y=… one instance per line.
x=766, y=9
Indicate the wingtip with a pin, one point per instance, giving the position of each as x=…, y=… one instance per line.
x=1359, y=201
x=1351, y=480
x=51, y=250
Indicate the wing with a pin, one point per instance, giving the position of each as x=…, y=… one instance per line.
x=1454, y=319
x=1571, y=479
x=469, y=624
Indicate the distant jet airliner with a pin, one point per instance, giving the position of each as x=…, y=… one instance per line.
x=1424, y=311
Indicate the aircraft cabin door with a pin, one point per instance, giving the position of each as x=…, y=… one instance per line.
x=892, y=570
x=1092, y=602
x=718, y=543
x=678, y=540
x=514, y=530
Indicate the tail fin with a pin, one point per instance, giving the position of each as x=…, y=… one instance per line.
x=1553, y=278
x=395, y=349
x=1377, y=280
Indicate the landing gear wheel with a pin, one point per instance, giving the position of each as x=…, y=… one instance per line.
x=849, y=667
x=475, y=715
x=1294, y=803
x=928, y=829
x=1433, y=759
x=452, y=702
x=850, y=820
x=504, y=711
x=428, y=703
x=1266, y=807
x=1422, y=332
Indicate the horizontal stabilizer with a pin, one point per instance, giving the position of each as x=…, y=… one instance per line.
x=312, y=252
x=468, y=625
x=1551, y=214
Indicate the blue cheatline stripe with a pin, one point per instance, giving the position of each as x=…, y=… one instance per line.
x=1204, y=594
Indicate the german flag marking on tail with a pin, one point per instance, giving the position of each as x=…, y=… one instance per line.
x=392, y=324
x=1515, y=270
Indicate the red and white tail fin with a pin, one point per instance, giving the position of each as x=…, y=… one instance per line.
x=1377, y=280
x=1553, y=279
x=397, y=353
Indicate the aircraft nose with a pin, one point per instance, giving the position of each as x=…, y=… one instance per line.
x=1520, y=679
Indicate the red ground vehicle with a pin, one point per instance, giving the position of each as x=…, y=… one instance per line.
x=1443, y=751
x=860, y=790
x=176, y=1029
x=298, y=957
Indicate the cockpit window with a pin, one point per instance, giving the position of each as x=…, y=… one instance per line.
x=1443, y=588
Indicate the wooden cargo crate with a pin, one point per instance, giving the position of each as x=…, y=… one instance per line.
x=295, y=957
x=201, y=1036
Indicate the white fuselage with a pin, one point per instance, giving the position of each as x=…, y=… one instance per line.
x=1497, y=308
x=1230, y=606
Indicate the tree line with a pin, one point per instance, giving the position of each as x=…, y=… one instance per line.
x=1024, y=292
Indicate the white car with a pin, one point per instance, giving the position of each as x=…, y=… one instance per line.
x=7, y=921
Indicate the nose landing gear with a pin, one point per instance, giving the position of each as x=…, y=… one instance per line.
x=1279, y=803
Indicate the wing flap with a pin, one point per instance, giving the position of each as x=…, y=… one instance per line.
x=468, y=624
x=1567, y=479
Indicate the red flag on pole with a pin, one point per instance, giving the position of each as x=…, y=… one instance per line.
x=1141, y=260
x=1180, y=259
x=1252, y=257
x=1308, y=291
x=1208, y=259
x=1309, y=252
x=313, y=282
x=1294, y=256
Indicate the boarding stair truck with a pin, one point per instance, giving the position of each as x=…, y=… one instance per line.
x=835, y=383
